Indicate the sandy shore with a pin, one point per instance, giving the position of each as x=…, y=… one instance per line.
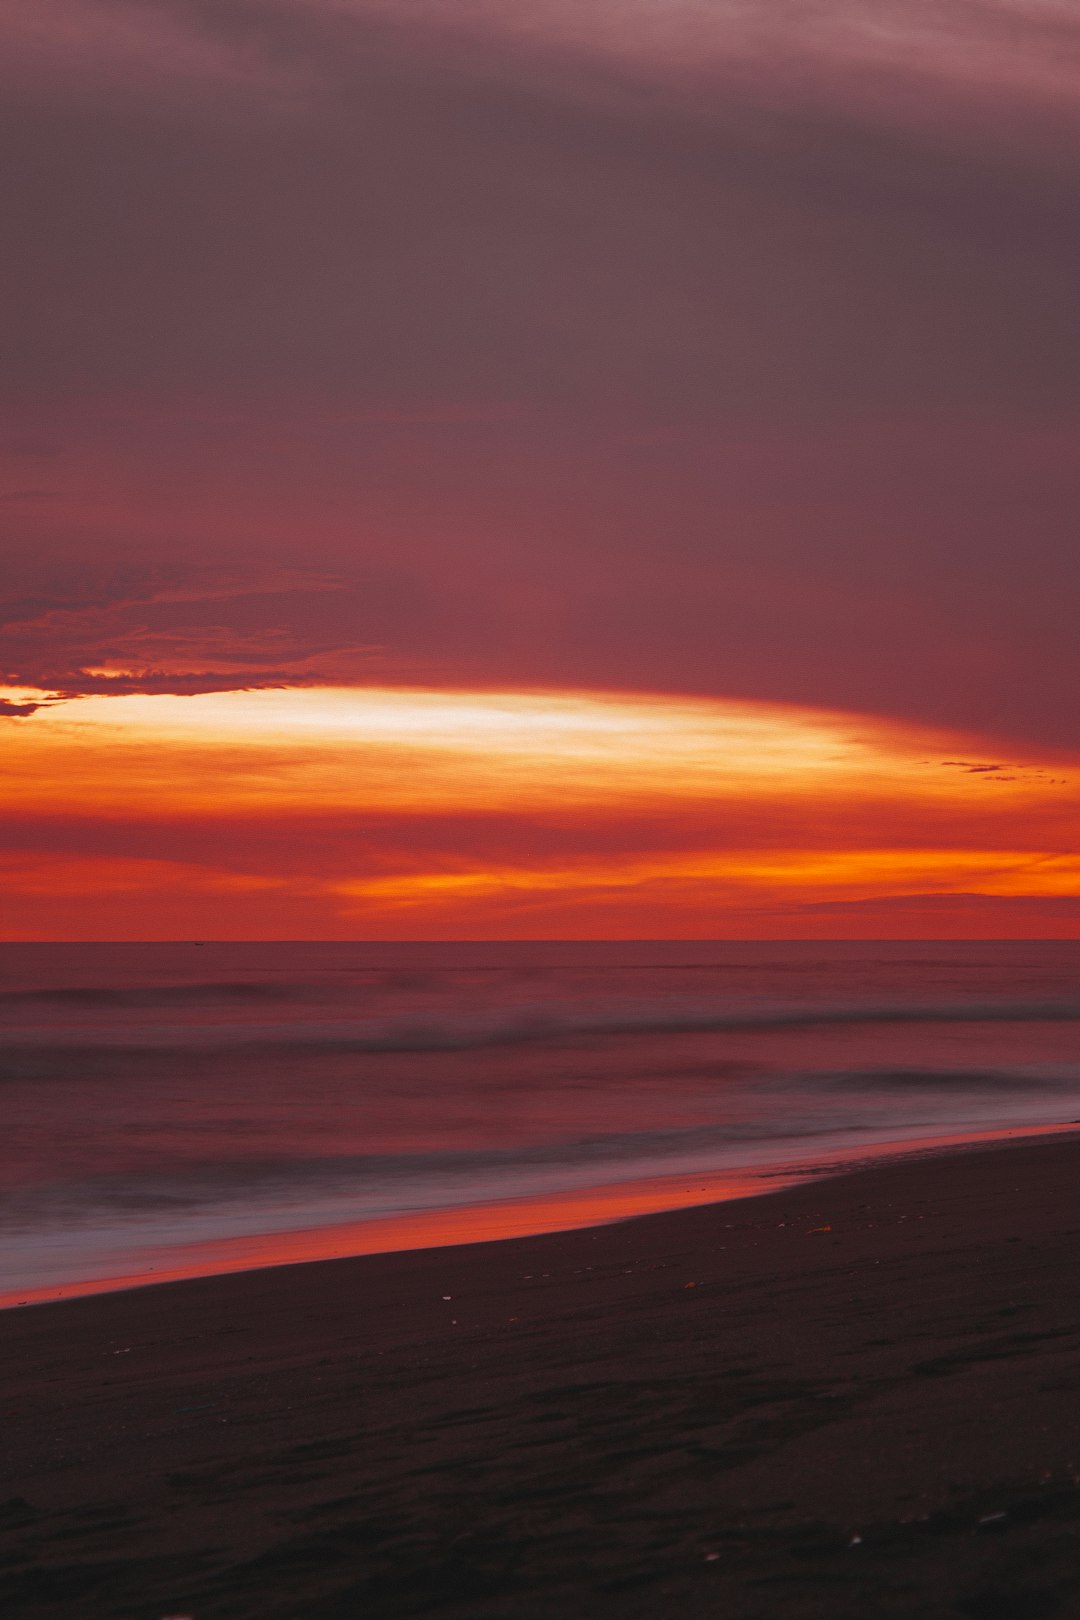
x=853, y=1398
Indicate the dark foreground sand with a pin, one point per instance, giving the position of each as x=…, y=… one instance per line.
x=719, y=1412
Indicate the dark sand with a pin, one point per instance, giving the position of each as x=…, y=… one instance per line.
x=717, y=1412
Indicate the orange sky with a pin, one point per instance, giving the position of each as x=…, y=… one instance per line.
x=398, y=392
x=396, y=813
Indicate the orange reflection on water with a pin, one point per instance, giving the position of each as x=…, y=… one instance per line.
x=422, y=1229
x=499, y=1219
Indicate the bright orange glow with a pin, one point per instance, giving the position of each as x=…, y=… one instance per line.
x=412, y=813
x=403, y=750
x=858, y=871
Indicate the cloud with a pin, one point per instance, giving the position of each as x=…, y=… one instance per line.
x=147, y=47
x=502, y=223
x=906, y=55
x=436, y=812
x=907, y=52
x=90, y=589
x=973, y=915
x=999, y=772
x=726, y=348
x=131, y=630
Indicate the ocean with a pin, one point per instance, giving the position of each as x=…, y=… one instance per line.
x=177, y=1109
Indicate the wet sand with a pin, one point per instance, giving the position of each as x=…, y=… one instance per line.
x=855, y=1397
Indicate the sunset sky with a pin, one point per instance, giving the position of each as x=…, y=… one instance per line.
x=576, y=469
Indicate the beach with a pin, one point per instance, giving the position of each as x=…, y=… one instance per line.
x=853, y=1396
x=539, y=788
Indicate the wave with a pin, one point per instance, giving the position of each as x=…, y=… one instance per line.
x=163, y=995
x=279, y=1179
x=403, y=1178
x=525, y=1028
x=949, y=1080
x=28, y=1050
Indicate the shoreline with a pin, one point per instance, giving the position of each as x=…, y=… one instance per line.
x=504, y=1219
x=852, y=1395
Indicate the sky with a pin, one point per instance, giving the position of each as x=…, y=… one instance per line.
x=471, y=470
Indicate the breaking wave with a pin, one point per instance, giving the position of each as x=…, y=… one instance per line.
x=369, y=1181
x=157, y=995
x=34, y=1051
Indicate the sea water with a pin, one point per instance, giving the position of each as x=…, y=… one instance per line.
x=165, y=1105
